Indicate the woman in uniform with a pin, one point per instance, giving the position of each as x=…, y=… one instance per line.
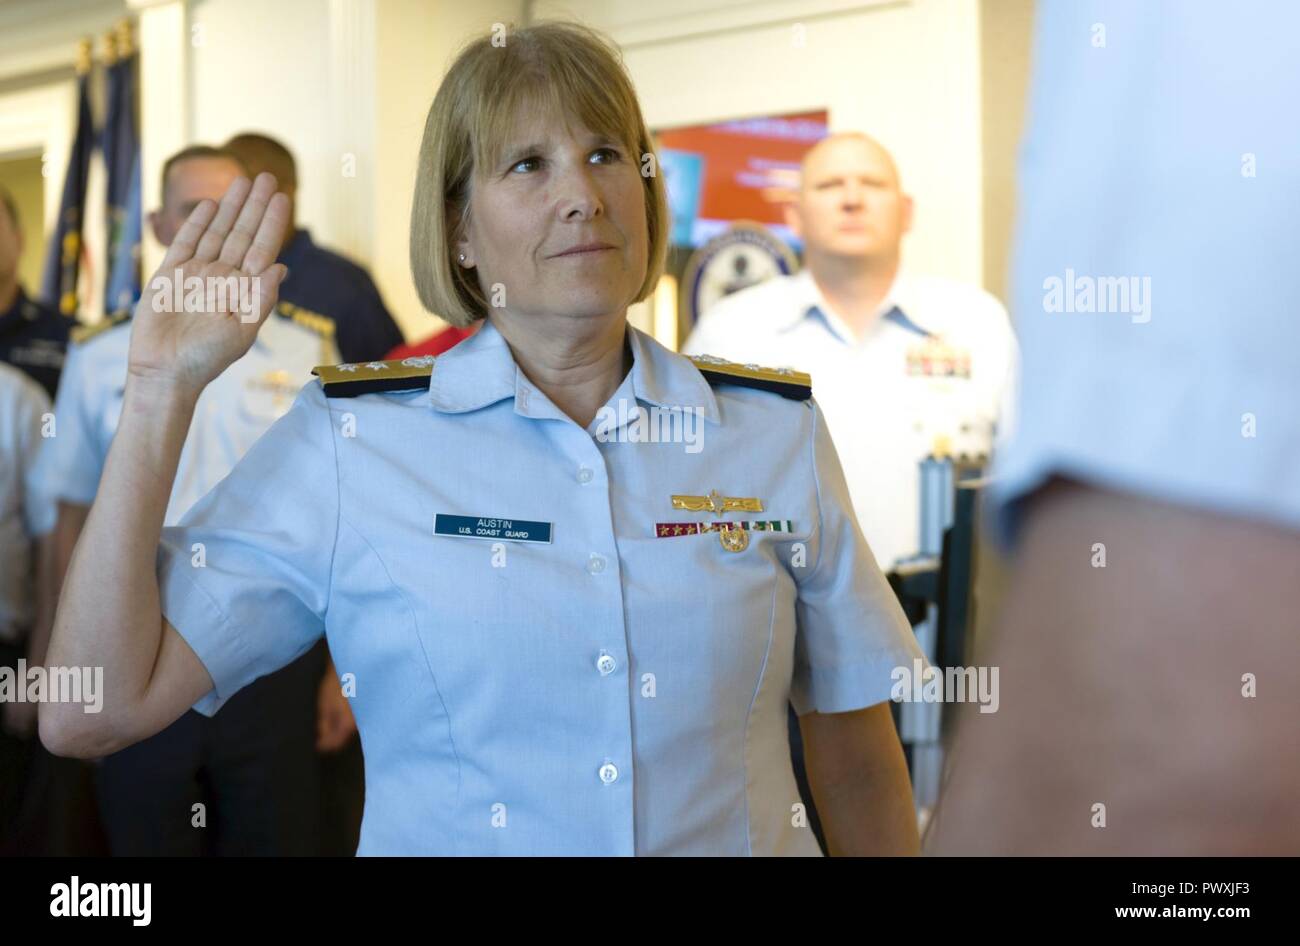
x=570, y=579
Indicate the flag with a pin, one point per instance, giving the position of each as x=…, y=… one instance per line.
x=121, y=147
x=123, y=287
x=63, y=257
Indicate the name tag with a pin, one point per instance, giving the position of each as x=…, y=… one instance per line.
x=481, y=527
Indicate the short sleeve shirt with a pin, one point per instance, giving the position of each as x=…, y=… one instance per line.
x=614, y=688
x=1154, y=278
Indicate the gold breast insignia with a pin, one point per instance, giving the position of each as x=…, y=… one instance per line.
x=717, y=504
x=734, y=538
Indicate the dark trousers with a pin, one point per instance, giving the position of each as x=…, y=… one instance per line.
x=343, y=797
x=47, y=804
x=15, y=760
x=252, y=767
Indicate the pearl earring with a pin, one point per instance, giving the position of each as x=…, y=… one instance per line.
x=461, y=257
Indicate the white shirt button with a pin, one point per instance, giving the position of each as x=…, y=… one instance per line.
x=608, y=773
x=606, y=664
x=584, y=475
x=596, y=564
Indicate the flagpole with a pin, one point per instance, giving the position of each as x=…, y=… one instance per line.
x=121, y=149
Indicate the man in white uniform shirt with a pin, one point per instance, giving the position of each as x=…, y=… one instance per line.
x=903, y=366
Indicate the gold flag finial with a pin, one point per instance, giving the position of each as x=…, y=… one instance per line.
x=125, y=41
x=83, y=56
x=110, y=48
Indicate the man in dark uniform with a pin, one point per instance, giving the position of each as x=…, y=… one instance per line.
x=33, y=337
x=320, y=281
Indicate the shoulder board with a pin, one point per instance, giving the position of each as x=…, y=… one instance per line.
x=783, y=381
x=84, y=333
x=320, y=324
x=402, y=374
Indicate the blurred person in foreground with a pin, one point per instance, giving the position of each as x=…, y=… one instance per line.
x=1148, y=642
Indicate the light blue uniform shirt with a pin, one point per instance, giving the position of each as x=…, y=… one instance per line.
x=1155, y=272
x=233, y=411
x=607, y=692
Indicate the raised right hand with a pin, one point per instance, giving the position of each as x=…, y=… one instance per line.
x=238, y=238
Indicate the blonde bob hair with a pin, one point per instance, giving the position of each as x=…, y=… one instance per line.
x=560, y=69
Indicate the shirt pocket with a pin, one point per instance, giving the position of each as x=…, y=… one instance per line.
x=720, y=607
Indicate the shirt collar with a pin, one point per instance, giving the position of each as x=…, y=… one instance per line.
x=667, y=379
x=477, y=372
x=481, y=371
x=808, y=302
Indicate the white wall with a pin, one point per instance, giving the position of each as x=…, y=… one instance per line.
x=906, y=72
x=1006, y=33
x=259, y=66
